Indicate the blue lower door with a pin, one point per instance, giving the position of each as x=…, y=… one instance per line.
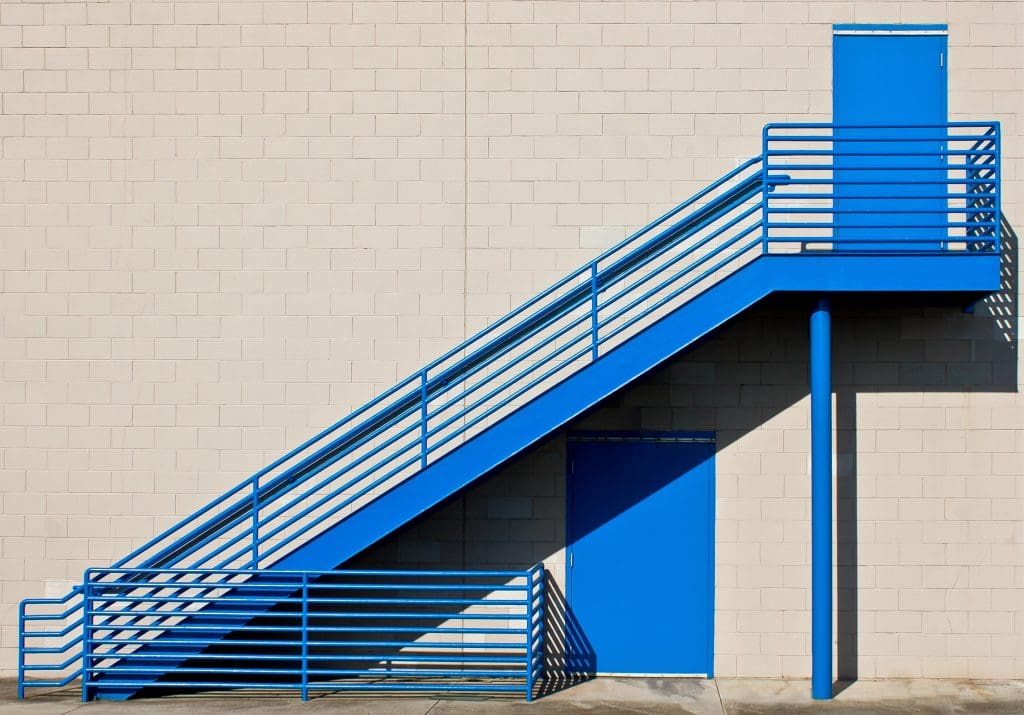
x=641, y=563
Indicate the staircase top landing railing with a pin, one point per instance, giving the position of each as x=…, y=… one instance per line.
x=884, y=190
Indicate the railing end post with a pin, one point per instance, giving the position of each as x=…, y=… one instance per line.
x=764, y=189
x=255, y=522
x=305, y=636
x=997, y=186
x=529, y=636
x=86, y=636
x=424, y=415
x=21, y=651
x=594, y=341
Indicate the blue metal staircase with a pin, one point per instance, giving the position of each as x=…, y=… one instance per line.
x=792, y=219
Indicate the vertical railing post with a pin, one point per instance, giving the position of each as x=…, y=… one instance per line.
x=538, y=648
x=255, y=528
x=593, y=311
x=21, y=651
x=996, y=180
x=305, y=636
x=86, y=635
x=764, y=189
x=529, y=635
x=423, y=419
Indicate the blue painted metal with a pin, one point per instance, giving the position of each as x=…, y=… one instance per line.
x=640, y=525
x=769, y=225
x=821, y=500
x=410, y=633
x=898, y=82
x=824, y=204
x=901, y=28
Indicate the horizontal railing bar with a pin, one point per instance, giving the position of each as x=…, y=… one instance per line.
x=315, y=573
x=53, y=683
x=394, y=657
x=54, y=634
x=414, y=601
x=313, y=643
x=48, y=601
x=312, y=600
x=843, y=154
x=419, y=629
x=835, y=139
x=50, y=616
x=71, y=660
x=883, y=182
x=830, y=125
x=142, y=670
x=322, y=629
x=391, y=672
x=867, y=226
x=944, y=168
x=889, y=197
x=55, y=649
x=907, y=243
x=220, y=613
x=427, y=586
x=911, y=212
x=461, y=687
x=339, y=686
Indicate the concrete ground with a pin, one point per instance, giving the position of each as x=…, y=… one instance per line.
x=604, y=695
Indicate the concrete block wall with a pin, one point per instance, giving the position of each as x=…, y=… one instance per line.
x=223, y=224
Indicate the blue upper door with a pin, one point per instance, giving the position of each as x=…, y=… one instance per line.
x=890, y=195
x=640, y=572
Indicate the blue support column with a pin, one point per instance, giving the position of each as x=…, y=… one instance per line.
x=821, y=501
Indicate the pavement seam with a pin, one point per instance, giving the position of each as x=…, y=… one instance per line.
x=718, y=692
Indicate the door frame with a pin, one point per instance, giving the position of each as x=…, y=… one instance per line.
x=668, y=436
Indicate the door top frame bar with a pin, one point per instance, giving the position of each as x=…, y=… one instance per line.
x=879, y=29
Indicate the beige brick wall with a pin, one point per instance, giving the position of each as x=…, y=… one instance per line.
x=223, y=224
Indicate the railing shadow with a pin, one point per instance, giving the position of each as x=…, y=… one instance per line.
x=569, y=658
x=1003, y=305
